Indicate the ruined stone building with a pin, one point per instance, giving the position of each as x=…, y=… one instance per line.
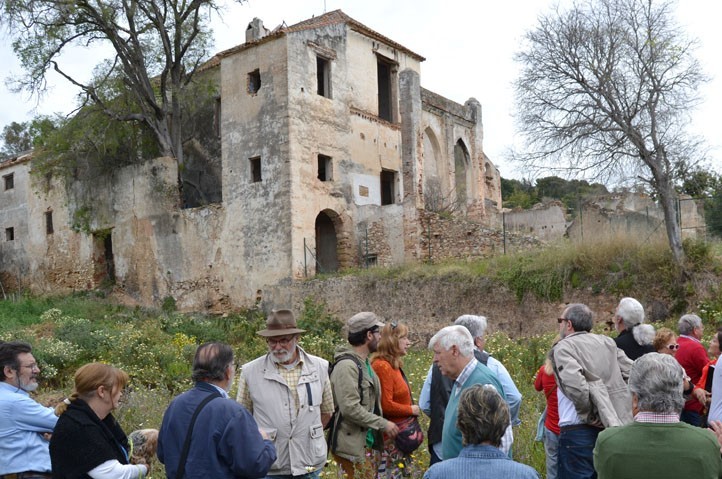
x=332, y=156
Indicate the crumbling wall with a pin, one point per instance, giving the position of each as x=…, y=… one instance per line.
x=546, y=222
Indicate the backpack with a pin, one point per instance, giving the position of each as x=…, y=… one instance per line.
x=337, y=417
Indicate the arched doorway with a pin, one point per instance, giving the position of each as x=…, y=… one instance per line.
x=326, y=244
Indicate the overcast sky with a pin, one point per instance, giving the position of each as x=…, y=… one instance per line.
x=468, y=46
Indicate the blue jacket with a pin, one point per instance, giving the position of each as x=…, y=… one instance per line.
x=478, y=461
x=225, y=444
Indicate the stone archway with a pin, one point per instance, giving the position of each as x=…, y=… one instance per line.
x=326, y=242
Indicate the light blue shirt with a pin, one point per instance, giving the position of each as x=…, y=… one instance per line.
x=511, y=393
x=22, y=424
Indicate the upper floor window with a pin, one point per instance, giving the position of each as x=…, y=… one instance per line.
x=255, y=164
x=325, y=168
x=9, y=181
x=323, y=76
x=386, y=79
x=254, y=81
x=388, y=187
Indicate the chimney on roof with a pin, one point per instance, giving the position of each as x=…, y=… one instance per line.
x=256, y=30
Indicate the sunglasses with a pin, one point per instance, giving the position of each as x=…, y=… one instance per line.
x=673, y=347
x=559, y=320
x=394, y=325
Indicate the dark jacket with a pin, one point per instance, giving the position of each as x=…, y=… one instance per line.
x=626, y=342
x=225, y=442
x=439, y=397
x=81, y=442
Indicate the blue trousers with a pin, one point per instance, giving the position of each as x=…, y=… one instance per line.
x=576, y=448
x=551, y=448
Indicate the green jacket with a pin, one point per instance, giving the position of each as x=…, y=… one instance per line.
x=354, y=418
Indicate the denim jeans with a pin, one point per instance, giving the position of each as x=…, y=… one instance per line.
x=576, y=448
x=551, y=447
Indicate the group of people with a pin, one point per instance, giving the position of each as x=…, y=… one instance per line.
x=613, y=408
x=292, y=409
x=633, y=406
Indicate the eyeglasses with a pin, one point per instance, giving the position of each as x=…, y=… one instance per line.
x=394, y=324
x=32, y=366
x=673, y=347
x=559, y=320
x=280, y=341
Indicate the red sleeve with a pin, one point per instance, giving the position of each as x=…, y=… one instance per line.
x=538, y=379
x=699, y=360
x=393, y=390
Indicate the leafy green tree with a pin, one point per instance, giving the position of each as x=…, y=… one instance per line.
x=157, y=47
x=19, y=138
x=605, y=90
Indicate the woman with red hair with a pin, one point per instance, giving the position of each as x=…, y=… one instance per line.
x=396, y=400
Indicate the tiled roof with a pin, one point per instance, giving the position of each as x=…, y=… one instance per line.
x=331, y=18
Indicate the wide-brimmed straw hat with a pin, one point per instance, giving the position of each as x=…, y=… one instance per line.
x=279, y=323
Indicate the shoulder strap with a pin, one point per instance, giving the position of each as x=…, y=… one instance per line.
x=360, y=372
x=408, y=386
x=187, y=443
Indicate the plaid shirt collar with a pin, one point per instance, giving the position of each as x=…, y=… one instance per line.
x=656, y=417
x=465, y=373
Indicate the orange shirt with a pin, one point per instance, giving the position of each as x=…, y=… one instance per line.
x=395, y=395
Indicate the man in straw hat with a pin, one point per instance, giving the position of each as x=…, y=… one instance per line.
x=289, y=394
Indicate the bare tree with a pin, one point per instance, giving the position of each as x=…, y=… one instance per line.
x=605, y=90
x=157, y=45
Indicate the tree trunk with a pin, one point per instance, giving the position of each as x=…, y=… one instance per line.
x=668, y=199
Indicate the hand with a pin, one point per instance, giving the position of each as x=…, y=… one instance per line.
x=716, y=428
x=391, y=429
x=415, y=409
x=701, y=395
x=264, y=434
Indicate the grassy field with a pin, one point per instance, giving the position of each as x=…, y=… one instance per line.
x=156, y=346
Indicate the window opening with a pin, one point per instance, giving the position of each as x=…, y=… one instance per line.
x=10, y=234
x=384, y=72
x=9, y=181
x=254, y=81
x=325, y=166
x=49, y=223
x=323, y=76
x=255, y=169
x=388, y=182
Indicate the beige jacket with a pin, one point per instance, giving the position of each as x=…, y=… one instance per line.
x=592, y=372
x=299, y=438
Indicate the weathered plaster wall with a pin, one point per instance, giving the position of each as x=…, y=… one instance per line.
x=257, y=228
x=46, y=262
x=546, y=222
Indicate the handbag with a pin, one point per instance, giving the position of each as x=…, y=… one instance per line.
x=410, y=435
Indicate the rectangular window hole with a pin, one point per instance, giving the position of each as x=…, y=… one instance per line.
x=254, y=81
x=10, y=234
x=325, y=168
x=49, y=223
x=9, y=181
x=255, y=163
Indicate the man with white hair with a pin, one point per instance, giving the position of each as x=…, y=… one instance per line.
x=657, y=444
x=435, y=391
x=635, y=338
x=693, y=358
x=477, y=327
x=453, y=349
